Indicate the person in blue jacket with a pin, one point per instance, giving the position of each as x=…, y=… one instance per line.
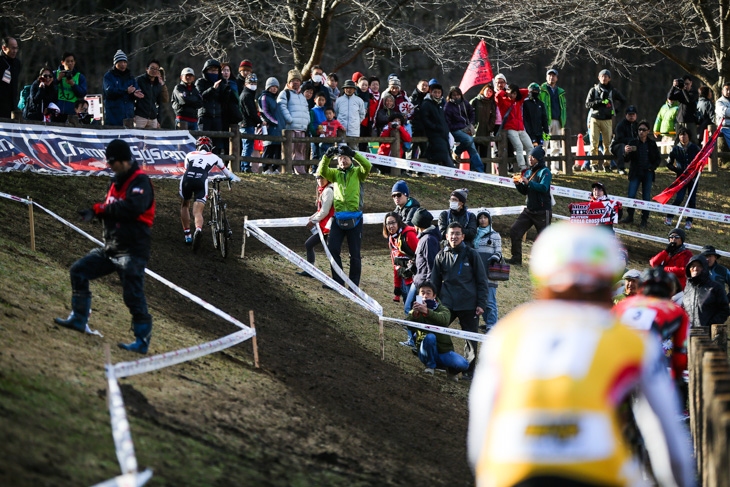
x=120, y=92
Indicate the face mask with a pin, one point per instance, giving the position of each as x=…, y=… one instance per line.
x=252, y=87
x=454, y=205
x=212, y=77
x=534, y=94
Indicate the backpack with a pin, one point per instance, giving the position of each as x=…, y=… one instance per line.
x=24, y=95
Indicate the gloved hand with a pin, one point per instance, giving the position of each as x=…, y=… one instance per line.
x=86, y=215
x=347, y=151
x=546, y=137
x=606, y=101
x=397, y=291
x=670, y=248
x=235, y=179
x=332, y=152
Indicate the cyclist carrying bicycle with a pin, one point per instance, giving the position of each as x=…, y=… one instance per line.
x=543, y=407
x=194, y=184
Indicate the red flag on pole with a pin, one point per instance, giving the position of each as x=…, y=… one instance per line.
x=479, y=70
x=691, y=172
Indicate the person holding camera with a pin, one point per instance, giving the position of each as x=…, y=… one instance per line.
x=71, y=85
x=601, y=103
x=434, y=349
x=395, y=123
x=682, y=92
x=644, y=158
x=347, y=179
x=43, y=93
x=402, y=241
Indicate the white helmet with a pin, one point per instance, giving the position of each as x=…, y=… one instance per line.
x=567, y=255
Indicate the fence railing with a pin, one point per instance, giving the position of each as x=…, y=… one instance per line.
x=496, y=165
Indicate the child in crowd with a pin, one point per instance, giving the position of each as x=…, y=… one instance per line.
x=331, y=128
x=316, y=117
x=489, y=245
x=397, y=122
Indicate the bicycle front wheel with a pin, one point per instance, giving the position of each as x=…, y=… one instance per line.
x=214, y=222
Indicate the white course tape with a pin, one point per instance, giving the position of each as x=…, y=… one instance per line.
x=15, y=198
x=120, y=426
x=466, y=335
x=129, y=480
x=507, y=182
x=376, y=218
x=149, y=364
x=297, y=260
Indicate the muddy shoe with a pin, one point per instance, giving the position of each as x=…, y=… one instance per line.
x=429, y=371
x=197, y=238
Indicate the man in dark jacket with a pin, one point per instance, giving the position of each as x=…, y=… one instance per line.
x=704, y=300
x=706, y=112
x=461, y=280
x=626, y=131
x=186, y=100
x=147, y=109
x=120, y=92
x=535, y=183
x=534, y=116
x=251, y=119
x=718, y=273
x=458, y=212
x=675, y=257
x=405, y=206
x=601, y=101
x=680, y=158
x=213, y=91
x=244, y=69
x=426, y=250
x=435, y=128
x=644, y=158
x=127, y=214
x=682, y=92
x=10, y=71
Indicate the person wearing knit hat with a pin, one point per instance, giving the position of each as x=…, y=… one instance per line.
x=426, y=250
x=458, y=212
x=534, y=183
x=295, y=111
x=120, y=91
x=535, y=117
x=272, y=116
x=244, y=69
x=601, y=103
x=292, y=75
x=488, y=244
x=356, y=76
x=127, y=213
x=405, y=206
x=675, y=257
x=718, y=273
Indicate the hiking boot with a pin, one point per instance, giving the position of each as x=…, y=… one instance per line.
x=305, y=274
x=429, y=371
x=668, y=221
x=197, y=238
x=142, y=333
x=514, y=261
x=80, y=310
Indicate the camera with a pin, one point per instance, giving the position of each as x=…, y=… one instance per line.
x=68, y=75
x=679, y=81
x=395, y=124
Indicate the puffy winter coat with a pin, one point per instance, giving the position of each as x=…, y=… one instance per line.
x=665, y=119
x=212, y=97
x=294, y=110
x=706, y=112
x=118, y=104
x=39, y=99
x=704, y=300
x=408, y=210
x=637, y=164
x=485, y=114
x=350, y=111
x=148, y=106
x=489, y=246
x=460, y=279
x=465, y=218
x=186, y=101
x=597, y=96
x=458, y=114
x=505, y=104
x=535, y=119
x=426, y=251
x=676, y=262
x=722, y=110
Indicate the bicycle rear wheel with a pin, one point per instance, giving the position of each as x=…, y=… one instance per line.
x=224, y=232
x=214, y=222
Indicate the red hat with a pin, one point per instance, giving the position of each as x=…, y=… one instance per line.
x=356, y=77
x=245, y=64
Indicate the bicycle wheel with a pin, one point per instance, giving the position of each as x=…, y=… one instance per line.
x=225, y=233
x=214, y=221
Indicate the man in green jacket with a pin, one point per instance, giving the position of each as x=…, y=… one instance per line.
x=434, y=349
x=664, y=124
x=555, y=105
x=347, y=179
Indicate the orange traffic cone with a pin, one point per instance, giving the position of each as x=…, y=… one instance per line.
x=706, y=137
x=580, y=151
x=464, y=161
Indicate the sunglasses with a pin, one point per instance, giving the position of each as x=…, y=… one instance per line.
x=643, y=130
x=47, y=76
x=674, y=237
x=397, y=195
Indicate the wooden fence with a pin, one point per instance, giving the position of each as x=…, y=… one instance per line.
x=709, y=404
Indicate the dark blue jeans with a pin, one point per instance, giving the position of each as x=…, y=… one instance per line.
x=247, y=147
x=645, y=180
x=431, y=358
x=679, y=197
x=354, y=242
x=130, y=269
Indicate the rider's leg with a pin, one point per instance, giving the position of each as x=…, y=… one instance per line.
x=198, y=214
x=185, y=220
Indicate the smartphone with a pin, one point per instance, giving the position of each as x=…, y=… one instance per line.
x=419, y=299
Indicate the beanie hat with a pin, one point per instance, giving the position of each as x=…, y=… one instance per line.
x=394, y=81
x=433, y=81
x=293, y=74
x=599, y=185
x=500, y=76
x=422, y=218
x=245, y=64
x=486, y=213
x=679, y=232
x=606, y=72
x=356, y=76
x=271, y=82
x=538, y=153
x=400, y=187
x=119, y=56
x=460, y=194
x=118, y=150
x=391, y=76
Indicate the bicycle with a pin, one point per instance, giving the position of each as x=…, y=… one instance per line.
x=219, y=226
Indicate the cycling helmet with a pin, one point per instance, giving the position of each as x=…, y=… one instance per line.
x=567, y=255
x=204, y=142
x=657, y=282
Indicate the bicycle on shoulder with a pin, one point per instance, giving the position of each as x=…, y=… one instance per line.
x=194, y=186
x=219, y=225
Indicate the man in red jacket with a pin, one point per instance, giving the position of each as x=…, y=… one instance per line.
x=675, y=257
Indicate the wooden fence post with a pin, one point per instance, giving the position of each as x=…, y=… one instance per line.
x=245, y=233
x=382, y=339
x=503, y=154
x=568, y=152
x=32, y=224
x=235, y=148
x=288, y=151
x=395, y=151
x=253, y=341
x=718, y=334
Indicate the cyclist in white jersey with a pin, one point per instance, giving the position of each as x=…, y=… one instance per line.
x=194, y=184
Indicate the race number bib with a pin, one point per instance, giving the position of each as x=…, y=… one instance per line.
x=7, y=77
x=639, y=318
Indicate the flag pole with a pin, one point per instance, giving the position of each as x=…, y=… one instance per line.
x=689, y=197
